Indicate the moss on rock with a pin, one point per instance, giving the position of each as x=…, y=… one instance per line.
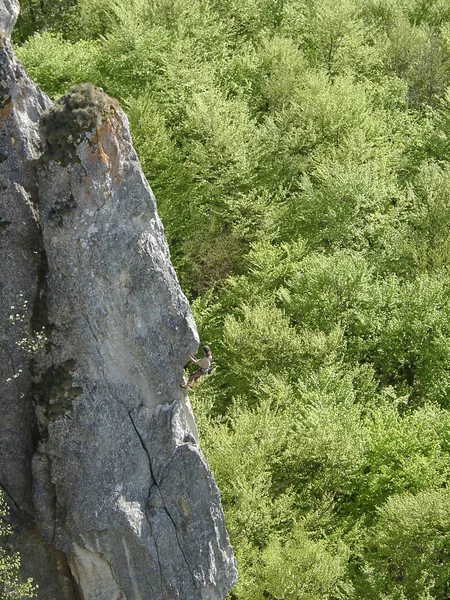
x=70, y=120
x=56, y=392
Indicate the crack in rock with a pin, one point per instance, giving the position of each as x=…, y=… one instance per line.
x=163, y=502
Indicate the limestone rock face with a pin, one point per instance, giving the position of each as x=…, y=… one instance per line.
x=110, y=494
x=132, y=500
x=9, y=11
x=21, y=291
x=21, y=105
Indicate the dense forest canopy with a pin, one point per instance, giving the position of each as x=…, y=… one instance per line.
x=299, y=151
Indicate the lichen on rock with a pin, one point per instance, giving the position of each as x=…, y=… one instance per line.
x=73, y=118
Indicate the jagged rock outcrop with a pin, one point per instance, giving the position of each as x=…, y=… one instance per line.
x=120, y=467
x=124, y=502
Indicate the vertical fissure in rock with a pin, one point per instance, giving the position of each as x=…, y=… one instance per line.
x=97, y=343
x=113, y=575
x=144, y=447
x=14, y=368
x=166, y=510
x=178, y=540
x=54, y=501
x=39, y=317
x=39, y=326
x=157, y=556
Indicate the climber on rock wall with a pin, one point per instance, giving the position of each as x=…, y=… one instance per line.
x=204, y=367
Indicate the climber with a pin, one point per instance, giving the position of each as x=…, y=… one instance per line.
x=204, y=367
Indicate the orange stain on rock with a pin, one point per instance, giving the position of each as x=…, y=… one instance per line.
x=105, y=146
x=5, y=112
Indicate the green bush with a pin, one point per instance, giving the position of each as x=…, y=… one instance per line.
x=409, y=547
x=56, y=64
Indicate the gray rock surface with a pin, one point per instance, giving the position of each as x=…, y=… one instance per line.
x=110, y=495
x=9, y=11
x=21, y=104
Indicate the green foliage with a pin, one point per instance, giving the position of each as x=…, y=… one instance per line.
x=57, y=65
x=41, y=15
x=411, y=542
x=156, y=149
x=11, y=586
x=301, y=568
x=278, y=554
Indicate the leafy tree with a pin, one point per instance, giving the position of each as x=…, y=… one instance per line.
x=43, y=15
x=56, y=64
x=409, y=547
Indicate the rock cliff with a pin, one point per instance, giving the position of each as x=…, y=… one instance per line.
x=23, y=266
x=110, y=494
